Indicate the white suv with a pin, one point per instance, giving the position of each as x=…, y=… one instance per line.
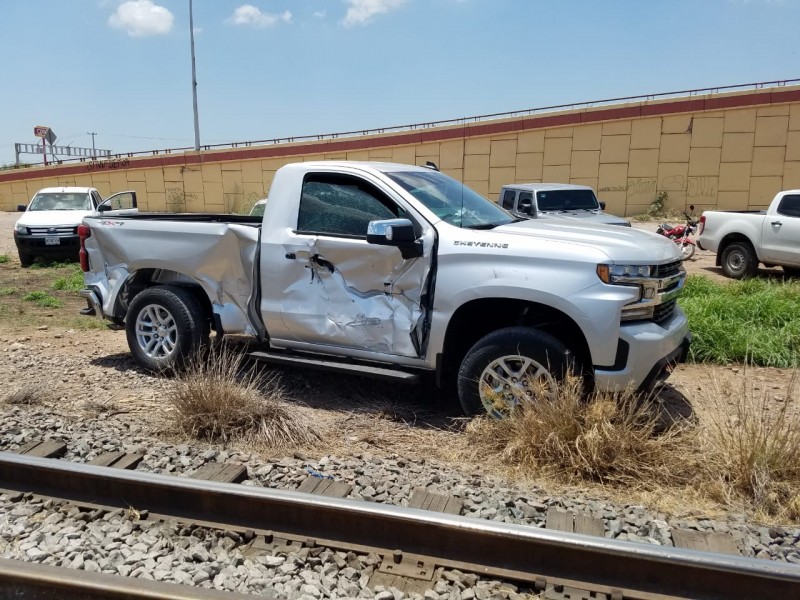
x=49, y=226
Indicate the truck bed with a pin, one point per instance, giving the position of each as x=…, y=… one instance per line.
x=251, y=220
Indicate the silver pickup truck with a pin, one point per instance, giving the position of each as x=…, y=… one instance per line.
x=743, y=239
x=557, y=200
x=395, y=271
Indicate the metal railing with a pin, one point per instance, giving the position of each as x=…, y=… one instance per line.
x=461, y=120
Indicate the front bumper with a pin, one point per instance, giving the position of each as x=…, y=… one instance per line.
x=37, y=245
x=653, y=350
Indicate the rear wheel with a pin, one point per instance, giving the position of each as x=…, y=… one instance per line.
x=739, y=261
x=687, y=250
x=508, y=367
x=25, y=259
x=164, y=326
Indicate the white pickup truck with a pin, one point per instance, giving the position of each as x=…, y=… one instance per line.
x=743, y=239
x=395, y=271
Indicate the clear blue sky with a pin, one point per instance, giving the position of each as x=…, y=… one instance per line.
x=275, y=68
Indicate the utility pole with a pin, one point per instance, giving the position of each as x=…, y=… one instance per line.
x=194, y=83
x=92, y=133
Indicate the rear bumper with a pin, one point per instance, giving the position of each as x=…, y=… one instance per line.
x=654, y=350
x=94, y=306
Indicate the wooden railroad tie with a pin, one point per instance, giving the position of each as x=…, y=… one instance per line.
x=324, y=486
x=43, y=449
x=705, y=540
x=117, y=460
x=221, y=472
x=444, y=503
x=569, y=521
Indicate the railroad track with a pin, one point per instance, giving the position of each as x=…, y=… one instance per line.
x=411, y=542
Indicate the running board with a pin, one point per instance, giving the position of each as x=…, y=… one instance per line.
x=335, y=366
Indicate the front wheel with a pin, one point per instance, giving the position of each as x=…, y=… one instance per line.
x=687, y=250
x=739, y=261
x=510, y=366
x=25, y=259
x=164, y=326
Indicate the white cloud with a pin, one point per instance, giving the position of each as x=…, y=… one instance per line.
x=320, y=14
x=251, y=16
x=362, y=12
x=140, y=18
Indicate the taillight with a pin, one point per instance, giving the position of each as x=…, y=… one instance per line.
x=702, y=225
x=83, y=233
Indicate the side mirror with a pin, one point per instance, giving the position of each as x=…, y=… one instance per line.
x=525, y=206
x=395, y=232
x=103, y=207
x=602, y=205
x=22, y=207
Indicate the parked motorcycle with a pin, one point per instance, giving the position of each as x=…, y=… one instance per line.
x=680, y=234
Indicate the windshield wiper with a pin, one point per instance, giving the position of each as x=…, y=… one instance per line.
x=486, y=225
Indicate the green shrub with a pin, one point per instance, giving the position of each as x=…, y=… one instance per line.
x=4, y=258
x=43, y=299
x=72, y=282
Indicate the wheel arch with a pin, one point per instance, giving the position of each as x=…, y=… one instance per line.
x=733, y=238
x=477, y=318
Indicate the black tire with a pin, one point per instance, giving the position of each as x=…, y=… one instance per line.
x=791, y=271
x=739, y=260
x=687, y=251
x=184, y=327
x=25, y=259
x=510, y=343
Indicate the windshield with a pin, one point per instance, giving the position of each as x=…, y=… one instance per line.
x=450, y=200
x=258, y=209
x=61, y=201
x=558, y=200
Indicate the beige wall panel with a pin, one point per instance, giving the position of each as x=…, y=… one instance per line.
x=195, y=202
x=558, y=132
x=555, y=173
x=615, y=202
x=271, y=164
x=482, y=145
x=590, y=181
x=646, y=133
x=742, y=120
x=230, y=165
x=359, y=155
x=141, y=194
x=232, y=182
x=794, y=117
x=793, y=146
x=457, y=174
x=430, y=149
x=676, y=124
x=20, y=187
x=253, y=191
x=86, y=180
x=267, y=180
x=732, y=200
x=498, y=177
x=451, y=155
x=156, y=201
x=643, y=163
x=136, y=175
x=614, y=148
x=172, y=174
x=154, y=180
x=193, y=181
x=476, y=167
x=212, y=190
x=480, y=186
x=530, y=141
x=613, y=178
x=678, y=201
x=380, y=154
x=587, y=137
x=504, y=153
x=672, y=177
x=251, y=171
x=771, y=131
x=557, y=151
x=118, y=180
x=642, y=190
x=734, y=177
x=704, y=161
x=707, y=133
x=773, y=111
x=737, y=147
x=791, y=175
x=768, y=160
x=529, y=167
x=763, y=190
x=405, y=155
x=585, y=163
x=212, y=173
x=617, y=127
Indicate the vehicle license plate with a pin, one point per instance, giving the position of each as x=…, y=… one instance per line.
x=52, y=241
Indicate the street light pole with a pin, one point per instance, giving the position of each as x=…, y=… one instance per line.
x=92, y=133
x=194, y=83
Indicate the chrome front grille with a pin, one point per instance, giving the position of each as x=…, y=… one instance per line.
x=60, y=230
x=667, y=270
x=663, y=312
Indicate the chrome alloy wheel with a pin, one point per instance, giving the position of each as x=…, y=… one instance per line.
x=156, y=331
x=509, y=380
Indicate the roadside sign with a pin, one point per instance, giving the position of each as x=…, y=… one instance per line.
x=41, y=131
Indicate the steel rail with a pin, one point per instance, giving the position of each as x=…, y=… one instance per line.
x=24, y=580
x=638, y=571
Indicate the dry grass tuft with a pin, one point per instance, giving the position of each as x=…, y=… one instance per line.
x=751, y=445
x=29, y=395
x=603, y=439
x=216, y=397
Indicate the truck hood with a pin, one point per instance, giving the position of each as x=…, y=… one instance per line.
x=41, y=218
x=592, y=216
x=621, y=244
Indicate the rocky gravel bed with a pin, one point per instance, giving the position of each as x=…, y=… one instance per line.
x=96, y=407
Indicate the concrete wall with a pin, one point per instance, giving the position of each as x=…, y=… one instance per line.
x=730, y=151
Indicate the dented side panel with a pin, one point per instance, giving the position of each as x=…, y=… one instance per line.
x=217, y=256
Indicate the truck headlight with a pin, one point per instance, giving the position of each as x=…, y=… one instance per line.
x=21, y=229
x=622, y=273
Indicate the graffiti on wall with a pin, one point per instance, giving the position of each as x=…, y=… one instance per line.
x=110, y=164
x=695, y=187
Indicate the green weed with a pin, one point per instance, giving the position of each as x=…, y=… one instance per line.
x=4, y=258
x=72, y=282
x=43, y=299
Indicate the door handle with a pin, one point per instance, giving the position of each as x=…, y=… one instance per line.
x=291, y=255
x=777, y=223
